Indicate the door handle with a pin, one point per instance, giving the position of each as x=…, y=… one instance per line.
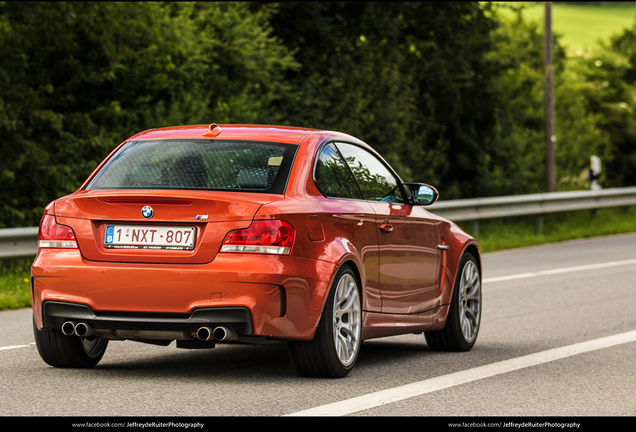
x=443, y=247
x=386, y=227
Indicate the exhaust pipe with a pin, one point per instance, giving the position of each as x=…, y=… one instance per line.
x=224, y=334
x=83, y=330
x=68, y=328
x=205, y=334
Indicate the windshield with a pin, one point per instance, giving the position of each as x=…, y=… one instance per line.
x=198, y=164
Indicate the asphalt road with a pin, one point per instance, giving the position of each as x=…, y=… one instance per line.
x=557, y=339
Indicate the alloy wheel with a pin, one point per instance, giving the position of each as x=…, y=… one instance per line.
x=347, y=319
x=470, y=301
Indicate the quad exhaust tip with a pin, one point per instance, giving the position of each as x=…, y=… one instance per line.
x=83, y=330
x=205, y=334
x=220, y=334
x=224, y=334
x=70, y=328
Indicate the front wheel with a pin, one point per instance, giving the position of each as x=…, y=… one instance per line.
x=335, y=347
x=62, y=351
x=464, y=316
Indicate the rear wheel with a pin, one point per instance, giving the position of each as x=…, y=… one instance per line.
x=464, y=316
x=62, y=351
x=335, y=347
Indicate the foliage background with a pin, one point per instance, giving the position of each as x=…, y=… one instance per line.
x=450, y=93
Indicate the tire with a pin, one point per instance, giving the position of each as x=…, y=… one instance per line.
x=464, y=317
x=62, y=351
x=335, y=347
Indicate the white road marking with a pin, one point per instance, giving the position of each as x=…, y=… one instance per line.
x=561, y=270
x=419, y=388
x=15, y=347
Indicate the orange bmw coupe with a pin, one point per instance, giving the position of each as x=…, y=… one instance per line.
x=246, y=233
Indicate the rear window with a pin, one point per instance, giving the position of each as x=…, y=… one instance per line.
x=198, y=164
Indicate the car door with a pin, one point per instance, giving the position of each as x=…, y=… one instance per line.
x=350, y=218
x=408, y=253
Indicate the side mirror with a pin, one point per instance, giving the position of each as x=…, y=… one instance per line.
x=423, y=194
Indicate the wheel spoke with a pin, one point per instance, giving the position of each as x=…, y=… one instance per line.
x=346, y=306
x=472, y=294
x=345, y=345
x=470, y=315
x=466, y=327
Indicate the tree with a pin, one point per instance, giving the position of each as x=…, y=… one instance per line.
x=411, y=79
x=78, y=78
x=517, y=161
x=609, y=74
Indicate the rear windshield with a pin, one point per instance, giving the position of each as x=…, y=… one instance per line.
x=198, y=164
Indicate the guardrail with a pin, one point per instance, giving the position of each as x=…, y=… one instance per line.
x=18, y=242
x=22, y=242
x=477, y=209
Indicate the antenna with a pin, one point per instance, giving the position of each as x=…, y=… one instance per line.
x=213, y=130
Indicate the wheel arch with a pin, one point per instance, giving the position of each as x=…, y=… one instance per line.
x=349, y=261
x=474, y=251
x=453, y=268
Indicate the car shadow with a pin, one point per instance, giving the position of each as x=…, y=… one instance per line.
x=226, y=360
x=234, y=361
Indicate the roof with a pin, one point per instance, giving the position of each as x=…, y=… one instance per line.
x=285, y=134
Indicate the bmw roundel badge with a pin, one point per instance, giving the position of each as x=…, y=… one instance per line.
x=147, y=212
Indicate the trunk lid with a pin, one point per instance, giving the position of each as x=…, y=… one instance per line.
x=186, y=227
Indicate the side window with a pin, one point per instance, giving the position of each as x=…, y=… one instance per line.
x=375, y=180
x=333, y=177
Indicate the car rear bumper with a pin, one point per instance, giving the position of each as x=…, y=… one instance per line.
x=272, y=296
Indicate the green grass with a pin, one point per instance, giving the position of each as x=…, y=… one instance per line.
x=508, y=233
x=580, y=27
x=15, y=290
x=493, y=235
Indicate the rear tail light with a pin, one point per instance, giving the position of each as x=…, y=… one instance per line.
x=54, y=235
x=269, y=237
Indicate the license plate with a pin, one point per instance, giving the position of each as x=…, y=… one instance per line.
x=149, y=237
